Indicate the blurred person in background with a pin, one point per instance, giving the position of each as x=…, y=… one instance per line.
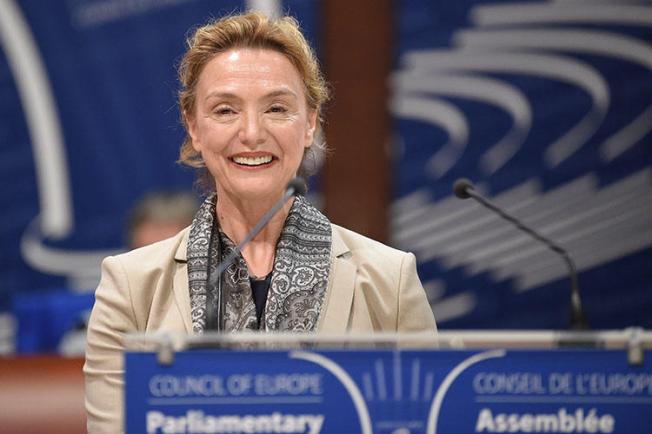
x=251, y=100
x=160, y=215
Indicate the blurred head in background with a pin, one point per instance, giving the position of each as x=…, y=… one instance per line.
x=159, y=215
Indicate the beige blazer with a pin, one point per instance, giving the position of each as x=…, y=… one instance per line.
x=371, y=288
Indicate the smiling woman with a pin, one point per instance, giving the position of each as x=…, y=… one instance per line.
x=251, y=99
x=253, y=31
x=251, y=124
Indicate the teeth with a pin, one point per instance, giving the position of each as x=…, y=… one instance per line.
x=255, y=161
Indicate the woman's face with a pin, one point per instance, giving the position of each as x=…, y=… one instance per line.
x=251, y=122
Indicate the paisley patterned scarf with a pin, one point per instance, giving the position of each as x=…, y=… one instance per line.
x=299, y=276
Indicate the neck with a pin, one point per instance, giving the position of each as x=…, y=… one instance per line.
x=238, y=217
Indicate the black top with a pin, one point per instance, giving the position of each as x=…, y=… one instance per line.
x=259, y=290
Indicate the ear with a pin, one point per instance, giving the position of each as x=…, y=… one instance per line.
x=311, y=127
x=191, y=125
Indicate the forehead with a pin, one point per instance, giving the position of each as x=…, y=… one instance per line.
x=250, y=68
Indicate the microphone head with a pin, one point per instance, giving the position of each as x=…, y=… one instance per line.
x=461, y=188
x=297, y=186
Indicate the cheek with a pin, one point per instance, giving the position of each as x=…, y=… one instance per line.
x=211, y=138
x=299, y=143
x=302, y=135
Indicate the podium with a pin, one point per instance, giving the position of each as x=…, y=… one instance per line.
x=454, y=383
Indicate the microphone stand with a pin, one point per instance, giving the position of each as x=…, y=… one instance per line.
x=463, y=189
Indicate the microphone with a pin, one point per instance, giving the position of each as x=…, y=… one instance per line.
x=463, y=189
x=214, y=314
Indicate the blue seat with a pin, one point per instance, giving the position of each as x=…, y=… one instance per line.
x=44, y=317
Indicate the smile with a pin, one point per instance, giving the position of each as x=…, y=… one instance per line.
x=253, y=161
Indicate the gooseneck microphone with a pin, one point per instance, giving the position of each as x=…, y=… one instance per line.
x=463, y=189
x=214, y=310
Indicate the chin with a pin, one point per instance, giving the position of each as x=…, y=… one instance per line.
x=256, y=186
x=258, y=192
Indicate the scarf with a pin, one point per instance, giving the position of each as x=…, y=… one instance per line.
x=299, y=274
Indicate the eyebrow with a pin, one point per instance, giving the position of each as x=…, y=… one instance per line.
x=281, y=92
x=230, y=95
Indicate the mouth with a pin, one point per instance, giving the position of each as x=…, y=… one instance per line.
x=257, y=161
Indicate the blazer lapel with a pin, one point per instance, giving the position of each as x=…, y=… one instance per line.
x=341, y=284
x=180, y=283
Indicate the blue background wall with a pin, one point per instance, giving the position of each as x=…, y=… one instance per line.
x=109, y=67
x=547, y=106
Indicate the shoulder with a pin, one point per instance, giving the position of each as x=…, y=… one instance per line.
x=361, y=247
x=145, y=269
x=390, y=295
x=154, y=255
x=131, y=281
x=382, y=264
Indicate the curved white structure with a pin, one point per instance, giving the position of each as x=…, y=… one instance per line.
x=433, y=415
x=347, y=382
x=56, y=217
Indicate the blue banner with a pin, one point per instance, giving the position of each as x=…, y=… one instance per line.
x=547, y=107
x=89, y=125
x=389, y=392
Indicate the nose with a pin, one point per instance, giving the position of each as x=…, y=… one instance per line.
x=252, y=131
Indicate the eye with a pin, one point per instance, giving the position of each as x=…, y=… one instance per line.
x=277, y=109
x=223, y=110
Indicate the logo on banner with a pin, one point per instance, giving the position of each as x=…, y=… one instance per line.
x=527, y=93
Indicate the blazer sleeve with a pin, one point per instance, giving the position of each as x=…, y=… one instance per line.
x=112, y=317
x=414, y=311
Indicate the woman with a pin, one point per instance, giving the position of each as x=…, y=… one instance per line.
x=251, y=101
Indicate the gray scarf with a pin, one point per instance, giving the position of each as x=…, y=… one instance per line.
x=299, y=276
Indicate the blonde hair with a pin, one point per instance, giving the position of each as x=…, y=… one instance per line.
x=251, y=30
